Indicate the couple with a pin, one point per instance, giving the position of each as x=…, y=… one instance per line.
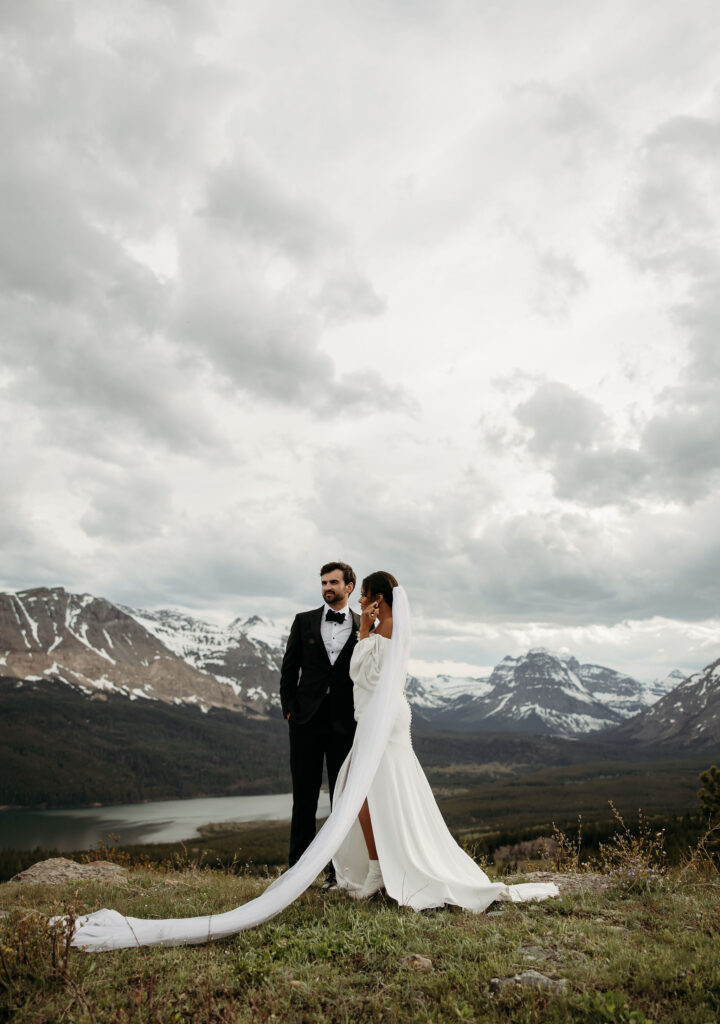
x=385, y=829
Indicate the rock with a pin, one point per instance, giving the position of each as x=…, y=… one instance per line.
x=57, y=870
x=528, y=979
x=418, y=962
x=534, y=953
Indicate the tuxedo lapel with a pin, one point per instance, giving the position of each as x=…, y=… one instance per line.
x=316, y=621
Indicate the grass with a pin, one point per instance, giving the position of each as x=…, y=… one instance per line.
x=649, y=953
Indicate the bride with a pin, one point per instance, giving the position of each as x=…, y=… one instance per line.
x=385, y=829
x=400, y=841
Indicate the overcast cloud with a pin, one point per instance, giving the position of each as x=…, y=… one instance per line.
x=427, y=287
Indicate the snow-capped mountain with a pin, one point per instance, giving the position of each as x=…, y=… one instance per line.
x=659, y=687
x=538, y=692
x=245, y=655
x=535, y=693
x=689, y=715
x=93, y=645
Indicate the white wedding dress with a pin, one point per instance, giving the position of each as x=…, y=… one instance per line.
x=422, y=865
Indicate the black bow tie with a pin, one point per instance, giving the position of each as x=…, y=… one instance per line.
x=334, y=616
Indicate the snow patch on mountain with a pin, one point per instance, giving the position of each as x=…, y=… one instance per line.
x=245, y=656
x=432, y=692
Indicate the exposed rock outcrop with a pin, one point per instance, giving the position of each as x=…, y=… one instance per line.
x=58, y=870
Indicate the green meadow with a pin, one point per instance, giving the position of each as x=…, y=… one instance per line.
x=642, y=955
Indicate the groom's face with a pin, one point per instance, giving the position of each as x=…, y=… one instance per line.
x=334, y=588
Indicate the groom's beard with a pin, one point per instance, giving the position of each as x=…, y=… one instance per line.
x=332, y=598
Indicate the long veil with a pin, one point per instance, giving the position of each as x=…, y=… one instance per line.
x=108, y=929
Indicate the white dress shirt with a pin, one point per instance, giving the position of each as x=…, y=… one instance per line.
x=335, y=634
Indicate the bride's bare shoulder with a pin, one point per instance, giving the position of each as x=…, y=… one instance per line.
x=384, y=629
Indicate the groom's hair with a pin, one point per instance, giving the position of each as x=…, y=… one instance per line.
x=380, y=582
x=347, y=571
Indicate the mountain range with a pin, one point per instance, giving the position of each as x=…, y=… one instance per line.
x=539, y=692
x=101, y=648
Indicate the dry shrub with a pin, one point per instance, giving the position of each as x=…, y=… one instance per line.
x=567, y=848
x=127, y=859
x=635, y=861
x=542, y=848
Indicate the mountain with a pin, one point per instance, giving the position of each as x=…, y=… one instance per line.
x=626, y=696
x=93, y=645
x=245, y=656
x=539, y=692
x=659, y=687
x=687, y=716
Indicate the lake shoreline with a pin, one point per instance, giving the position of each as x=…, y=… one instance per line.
x=148, y=822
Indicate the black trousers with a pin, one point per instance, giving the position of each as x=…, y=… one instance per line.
x=319, y=740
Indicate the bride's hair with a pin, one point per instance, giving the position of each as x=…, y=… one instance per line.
x=380, y=583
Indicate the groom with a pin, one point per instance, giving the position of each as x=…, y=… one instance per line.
x=316, y=694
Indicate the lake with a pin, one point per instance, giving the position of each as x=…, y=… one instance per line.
x=162, y=821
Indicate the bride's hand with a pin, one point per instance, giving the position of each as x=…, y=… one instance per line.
x=368, y=615
x=369, y=612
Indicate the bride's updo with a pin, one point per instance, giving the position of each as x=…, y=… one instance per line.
x=380, y=583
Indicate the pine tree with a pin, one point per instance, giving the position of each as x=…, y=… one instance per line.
x=709, y=795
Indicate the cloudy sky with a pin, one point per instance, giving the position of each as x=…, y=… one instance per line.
x=429, y=287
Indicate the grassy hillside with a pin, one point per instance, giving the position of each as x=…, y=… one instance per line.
x=625, y=956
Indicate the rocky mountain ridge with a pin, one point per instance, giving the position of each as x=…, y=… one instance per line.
x=687, y=716
x=168, y=655
x=92, y=644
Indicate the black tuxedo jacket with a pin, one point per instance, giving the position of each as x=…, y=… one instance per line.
x=306, y=672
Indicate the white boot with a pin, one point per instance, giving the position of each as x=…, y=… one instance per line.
x=373, y=882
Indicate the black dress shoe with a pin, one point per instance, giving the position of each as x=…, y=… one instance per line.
x=329, y=885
